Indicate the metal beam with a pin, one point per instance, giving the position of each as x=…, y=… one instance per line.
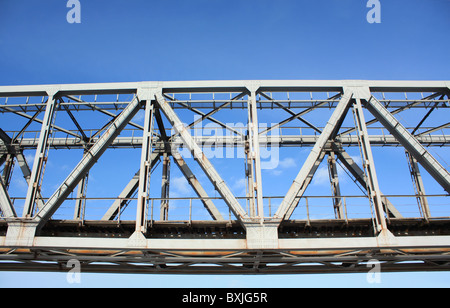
x=203, y=116
x=409, y=142
x=418, y=186
x=124, y=197
x=33, y=118
x=101, y=110
x=40, y=157
x=7, y=169
x=295, y=115
x=121, y=202
x=254, y=154
x=361, y=178
x=195, y=184
x=373, y=188
x=6, y=205
x=228, y=86
x=26, y=172
x=88, y=160
x=335, y=187
x=145, y=166
x=289, y=202
x=429, y=97
x=165, y=187
x=80, y=203
x=199, y=156
x=342, y=154
x=72, y=117
x=425, y=117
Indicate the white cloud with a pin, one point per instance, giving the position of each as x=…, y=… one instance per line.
x=321, y=176
x=240, y=187
x=283, y=165
x=139, y=117
x=357, y=159
x=240, y=183
x=288, y=162
x=180, y=185
x=30, y=159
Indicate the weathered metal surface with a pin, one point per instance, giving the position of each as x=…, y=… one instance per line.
x=262, y=238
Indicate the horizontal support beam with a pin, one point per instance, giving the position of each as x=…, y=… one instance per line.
x=225, y=85
x=297, y=244
x=218, y=141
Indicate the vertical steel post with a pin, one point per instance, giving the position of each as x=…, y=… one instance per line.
x=250, y=193
x=368, y=163
x=335, y=188
x=6, y=205
x=81, y=195
x=165, y=183
x=418, y=186
x=7, y=169
x=145, y=170
x=40, y=156
x=254, y=155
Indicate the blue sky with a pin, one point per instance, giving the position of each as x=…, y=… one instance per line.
x=190, y=40
x=216, y=39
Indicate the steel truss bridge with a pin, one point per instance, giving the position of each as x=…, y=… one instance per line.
x=137, y=217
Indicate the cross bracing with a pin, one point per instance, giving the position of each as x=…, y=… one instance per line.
x=225, y=176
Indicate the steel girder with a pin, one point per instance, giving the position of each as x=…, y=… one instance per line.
x=251, y=241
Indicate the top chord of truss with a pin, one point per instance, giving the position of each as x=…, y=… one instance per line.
x=226, y=94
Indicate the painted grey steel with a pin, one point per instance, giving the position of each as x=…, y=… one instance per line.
x=196, y=186
x=305, y=140
x=40, y=157
x=361, y=177
x=145, y=166
x=6, y=206
x=410, y=143
x=335, y=187
x=231, y=240
x=373, y=188
x=254, y=154
x=419, y=186
x=312, y=162
x=87, y=162
x=189, y=142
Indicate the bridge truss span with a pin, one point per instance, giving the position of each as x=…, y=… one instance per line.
x=226, y=177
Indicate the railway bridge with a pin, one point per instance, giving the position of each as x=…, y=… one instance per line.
x=226, y=177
